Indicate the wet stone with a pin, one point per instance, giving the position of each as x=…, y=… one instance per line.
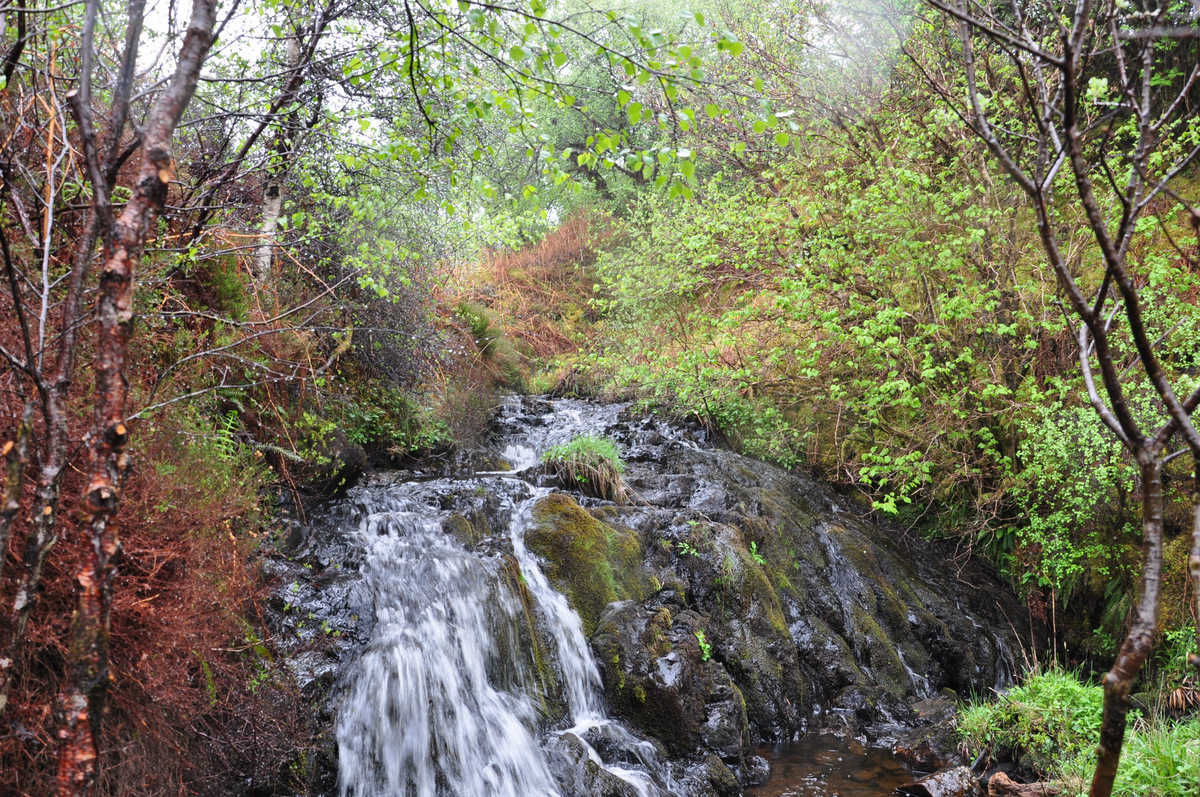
x=954, y=782
x=731, y=603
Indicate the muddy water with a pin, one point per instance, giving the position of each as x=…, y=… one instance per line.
x=829, y=766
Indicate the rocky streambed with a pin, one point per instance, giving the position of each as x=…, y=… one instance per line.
x=479, y=629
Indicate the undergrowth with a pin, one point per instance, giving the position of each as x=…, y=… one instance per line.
x=1051, y=724
x=592, y=464
x=543, y=295
x=187, y=638
x=1037, y=724
x=1160, y=758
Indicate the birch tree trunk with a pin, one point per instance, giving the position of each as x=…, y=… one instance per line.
x=277, y=170
x=87, y=686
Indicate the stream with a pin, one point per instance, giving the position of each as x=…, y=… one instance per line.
x=479, y=631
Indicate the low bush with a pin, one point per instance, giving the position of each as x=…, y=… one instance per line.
x=590, y=463
x=1049, y=718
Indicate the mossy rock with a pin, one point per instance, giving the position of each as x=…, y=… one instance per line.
x=531, y=646
x=463, y=529
x=591, y=562
x=332, y=464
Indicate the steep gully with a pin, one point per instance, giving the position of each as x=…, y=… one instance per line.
x=480, y=630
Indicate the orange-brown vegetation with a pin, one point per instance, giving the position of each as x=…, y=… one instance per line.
x=198, y=700
x=544, y=292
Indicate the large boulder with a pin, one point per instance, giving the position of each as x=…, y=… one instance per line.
x=590, y=561
x=933, y=744
x=657, y=675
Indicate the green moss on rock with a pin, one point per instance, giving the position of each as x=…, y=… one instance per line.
x=591, y=562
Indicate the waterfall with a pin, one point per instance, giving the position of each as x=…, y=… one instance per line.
x=423, y=715
x=464, y=672
x=443, y=701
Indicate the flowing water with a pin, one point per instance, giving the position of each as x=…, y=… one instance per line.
x=472, y=676
x=443, y=701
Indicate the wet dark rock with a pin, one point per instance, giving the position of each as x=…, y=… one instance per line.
x=710, y=777
x=654, y=675
x=933, y=744
x=721, y=778
x=809, y=610
x=577, y=775
x=754, y=772
x=332, y=465
x=954, y=782
x=725, y=732
x=615, y=745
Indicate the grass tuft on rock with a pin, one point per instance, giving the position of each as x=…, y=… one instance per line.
x=590, y=464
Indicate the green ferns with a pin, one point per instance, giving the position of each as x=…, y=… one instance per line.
x=590, y=463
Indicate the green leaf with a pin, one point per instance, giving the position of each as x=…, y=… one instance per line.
x=517, y=53
x=730, y=44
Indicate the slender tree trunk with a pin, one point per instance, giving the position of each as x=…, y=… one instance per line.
x=277, y=172
x=40, y=538
x=1119, y=680
x=87, y=687
x=16, y=455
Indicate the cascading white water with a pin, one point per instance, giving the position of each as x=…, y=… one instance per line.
x=581, y=678
x=436, y=707
x=424, y=716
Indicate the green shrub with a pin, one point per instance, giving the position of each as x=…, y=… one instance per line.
x=1049, y=718
x=590, y=463
x=388, y=418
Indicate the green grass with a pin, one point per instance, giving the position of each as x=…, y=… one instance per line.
x=1050, y=717
x=1051, y=723
x=591, y=464
x=1160, y=758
